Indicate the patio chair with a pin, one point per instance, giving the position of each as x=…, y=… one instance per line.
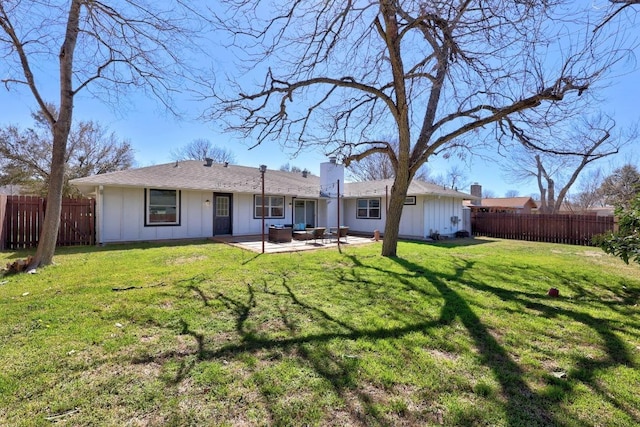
x=339, y=233
x=318, y=233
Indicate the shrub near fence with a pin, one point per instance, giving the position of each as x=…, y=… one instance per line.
x=21, y=220
x=569, y=229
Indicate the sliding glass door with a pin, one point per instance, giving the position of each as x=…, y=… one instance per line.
x=305, y=212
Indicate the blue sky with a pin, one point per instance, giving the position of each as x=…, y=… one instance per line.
x=154, y=133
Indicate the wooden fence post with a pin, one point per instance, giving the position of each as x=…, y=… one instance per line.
x=3, y=225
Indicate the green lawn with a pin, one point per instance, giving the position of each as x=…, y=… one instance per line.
x=456, y=333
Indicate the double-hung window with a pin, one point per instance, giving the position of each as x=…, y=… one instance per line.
x=273, y=206
x=368, y=208
x=162, y=207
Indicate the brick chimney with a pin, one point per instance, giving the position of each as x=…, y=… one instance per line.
x=476, y=191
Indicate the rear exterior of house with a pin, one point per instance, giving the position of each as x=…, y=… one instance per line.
x=428, y=210
x=193, y=199
x=124, y=214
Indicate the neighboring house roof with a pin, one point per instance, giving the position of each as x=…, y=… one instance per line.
x=504, y=202
x=194, y=175
x=570, y=208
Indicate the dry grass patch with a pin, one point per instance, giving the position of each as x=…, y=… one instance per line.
x=186, y=260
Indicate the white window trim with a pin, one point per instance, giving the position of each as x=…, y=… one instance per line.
x=368, y=216
x=269, y=207
x=147, y=221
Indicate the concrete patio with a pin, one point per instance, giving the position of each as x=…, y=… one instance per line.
x=254, y=243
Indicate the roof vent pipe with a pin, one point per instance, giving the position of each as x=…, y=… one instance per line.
x=209, y=162
x=332, y=159
x=226, y=164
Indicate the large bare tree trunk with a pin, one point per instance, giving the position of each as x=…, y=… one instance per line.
x=60, y=127
x=400, y=160
x=394, y=214
x=49, y=227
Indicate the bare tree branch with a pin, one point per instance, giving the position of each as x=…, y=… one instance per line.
x=617, y=7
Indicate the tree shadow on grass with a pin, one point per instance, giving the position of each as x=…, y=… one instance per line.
x=524, y=406
x=453, y=242
x=341, y=371
x=617, y=352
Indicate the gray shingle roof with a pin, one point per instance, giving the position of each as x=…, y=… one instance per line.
x=358, y=189
x=194, y=175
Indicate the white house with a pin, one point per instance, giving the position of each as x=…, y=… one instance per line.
x=195, y=199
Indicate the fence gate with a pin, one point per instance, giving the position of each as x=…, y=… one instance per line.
x=21, y=221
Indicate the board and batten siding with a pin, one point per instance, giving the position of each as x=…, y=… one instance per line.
x=411, y=223
x=437, y=215
x=243, y=221
x=359, y=225
x=122, y=210
x=429, y=214
x=122, y=214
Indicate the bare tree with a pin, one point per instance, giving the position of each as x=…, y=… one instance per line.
x=622, y=186
x=436, y=74
x=488, y=194
x=375, y=167
x=201, y=149
x=93, y=150
x=454, y=178
x=512, y=193
x=588, y=194
x=90, y=46
x=556, y=170
x=25, y=155
x=287, y=167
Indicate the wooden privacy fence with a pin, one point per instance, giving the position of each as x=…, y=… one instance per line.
x=569, y=229
x=21, y=221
